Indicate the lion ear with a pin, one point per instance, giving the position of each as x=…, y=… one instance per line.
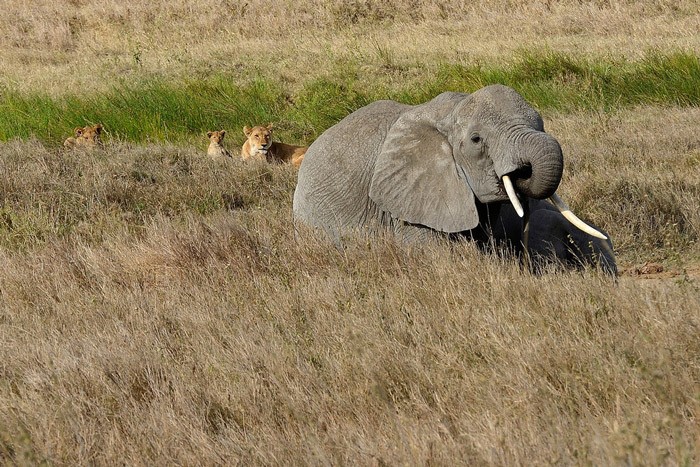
x=78, y=131
x=209, y=133
x=222, y=133
x=269, y=126
x=247, y=130
x=98, y=128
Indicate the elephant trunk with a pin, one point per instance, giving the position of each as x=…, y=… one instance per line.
x=540, y=165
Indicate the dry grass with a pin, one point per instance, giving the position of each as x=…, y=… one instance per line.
x=637, y=172
x=225, y=340
x=153, y=321
x=156, y=307
x=85, y=45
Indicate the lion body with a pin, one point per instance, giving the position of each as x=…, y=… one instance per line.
x=259, y=145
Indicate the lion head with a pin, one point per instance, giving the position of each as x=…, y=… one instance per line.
x=216, y=136
x=85, y=137
x=259, y=138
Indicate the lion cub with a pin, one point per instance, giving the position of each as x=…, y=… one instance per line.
x=216, y=149
x=86, y=137
x=259, y=145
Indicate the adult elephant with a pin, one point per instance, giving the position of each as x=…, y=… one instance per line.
x=449, y=165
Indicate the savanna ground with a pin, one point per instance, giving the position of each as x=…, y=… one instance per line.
x=157, y=307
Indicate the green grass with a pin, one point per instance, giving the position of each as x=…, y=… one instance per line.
x=157, y=110
x=565, y=83
x=153, y=110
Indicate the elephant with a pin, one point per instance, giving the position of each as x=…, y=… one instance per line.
x=476, y=166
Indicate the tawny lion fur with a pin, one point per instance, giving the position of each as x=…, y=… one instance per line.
x=216, y=149
x=85, y=137
x=259, y=145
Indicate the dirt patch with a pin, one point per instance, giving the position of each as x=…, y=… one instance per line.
x=647, y=268
x=651, y=270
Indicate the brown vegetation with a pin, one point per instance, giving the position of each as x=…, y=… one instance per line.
x=224, y=340
x=158, y=307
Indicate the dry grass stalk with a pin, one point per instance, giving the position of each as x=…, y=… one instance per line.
x=226, y=340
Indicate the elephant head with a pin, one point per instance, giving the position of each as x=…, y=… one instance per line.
x=440, y=157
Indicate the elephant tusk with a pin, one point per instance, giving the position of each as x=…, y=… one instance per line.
x=571, y=217
x=512, y=196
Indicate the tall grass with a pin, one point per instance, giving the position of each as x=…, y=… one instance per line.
x=227, y=339
x=160, y=110
x=152, y=110
x=566, y=83
x=89, y=44
x=47, y=196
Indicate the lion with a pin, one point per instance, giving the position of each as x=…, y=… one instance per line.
x=216, y=149
x=259, y=145
x=87, y=137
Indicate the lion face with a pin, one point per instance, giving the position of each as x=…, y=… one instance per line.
x=259, y=137
x=85, y=137
x=89, y=135
x=216, y=136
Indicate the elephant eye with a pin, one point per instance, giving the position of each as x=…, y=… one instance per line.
x=476, y=139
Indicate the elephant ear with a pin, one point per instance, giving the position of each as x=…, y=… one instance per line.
x=416, y=178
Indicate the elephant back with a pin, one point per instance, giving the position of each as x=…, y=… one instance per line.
x=333, y=182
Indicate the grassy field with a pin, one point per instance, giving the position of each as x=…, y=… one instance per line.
x=156, y=307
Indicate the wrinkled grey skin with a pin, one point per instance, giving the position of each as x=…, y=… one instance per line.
x=437, y=168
